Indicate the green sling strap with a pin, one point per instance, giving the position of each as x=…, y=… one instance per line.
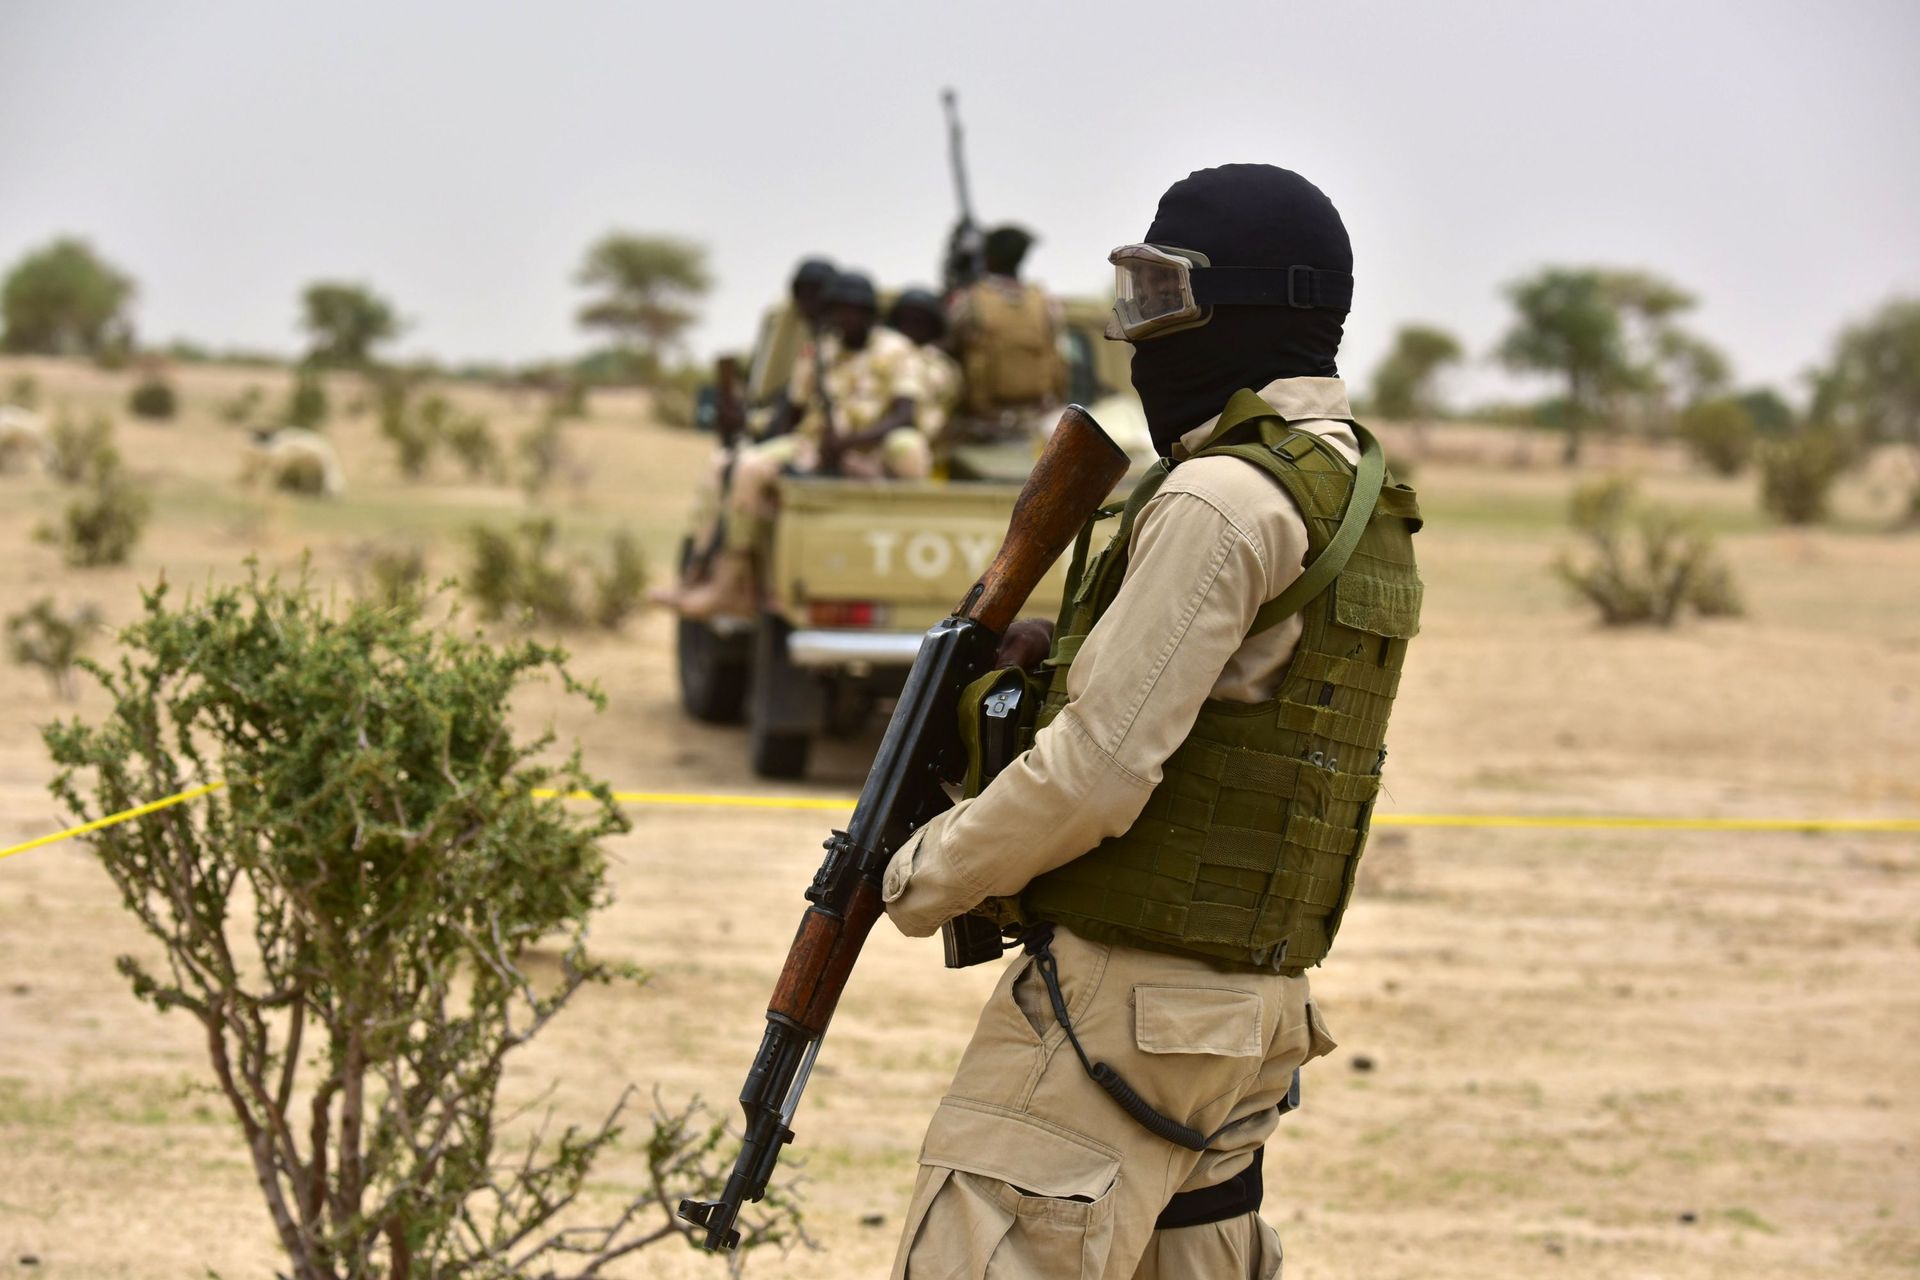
x=1371, y=477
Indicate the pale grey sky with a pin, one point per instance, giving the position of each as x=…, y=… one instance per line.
x=460, y=156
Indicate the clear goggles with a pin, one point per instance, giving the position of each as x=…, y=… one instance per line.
x=1159, y=289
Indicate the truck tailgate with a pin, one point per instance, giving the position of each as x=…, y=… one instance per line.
x=908, y=549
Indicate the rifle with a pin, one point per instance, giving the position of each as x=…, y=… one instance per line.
x=921, y=748
x=730, y=402
x=829, y=430
x=966, y=249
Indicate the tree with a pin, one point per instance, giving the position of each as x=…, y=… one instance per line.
x=1403, y=387
x=345, y=322
x=1871, y=385
x=1608, y=333
x=65, y=300
x=647, y=287
x=351, y=918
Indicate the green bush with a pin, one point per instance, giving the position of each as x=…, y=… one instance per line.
x=391, y=576
x=24, y=390
x=472, y=441
x=1644, y=563
x=1720, y=433
x=245, y=407
x=73, y=449
x=353, y=922
x=620, y=590
x=45, y=636
x=516, y=576
x=1797, y=474
x=307, y=401
x=104, y=522
x=414, y=429
x=541, y=451
x=152, y=398
x=302, y=474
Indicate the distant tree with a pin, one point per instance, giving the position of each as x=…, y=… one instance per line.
x=65, y=300
x=647, y=286
x=1403, y=386
x=1608, y=333
x=345, y=322
x=1871, y=385
x=1771, y=414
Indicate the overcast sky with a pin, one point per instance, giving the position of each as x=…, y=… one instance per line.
x=460, y=156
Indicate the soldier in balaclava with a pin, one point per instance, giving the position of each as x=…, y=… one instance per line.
x=1177, y=847
x=918, y=315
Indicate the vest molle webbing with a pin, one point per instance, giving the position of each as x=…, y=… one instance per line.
x=1246, y=851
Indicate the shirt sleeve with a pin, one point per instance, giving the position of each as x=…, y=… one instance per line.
x=1195, y=578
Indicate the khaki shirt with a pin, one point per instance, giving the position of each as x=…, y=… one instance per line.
x=863, y=384
x=1219, y=540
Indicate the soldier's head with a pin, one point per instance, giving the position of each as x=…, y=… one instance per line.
x=918, y=314
x=810, y=280
x=1245, y=276
x=1005, y=248
x=851, y=308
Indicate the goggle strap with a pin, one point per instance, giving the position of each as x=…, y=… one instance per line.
x=1302, y=287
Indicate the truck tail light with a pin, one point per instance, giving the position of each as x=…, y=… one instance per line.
x=837, y=614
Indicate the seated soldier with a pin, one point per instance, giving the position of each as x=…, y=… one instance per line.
x=861, y=420
x=918, y=315
x=1006, y=333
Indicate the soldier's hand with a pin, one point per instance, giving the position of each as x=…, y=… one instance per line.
x=1025, y=645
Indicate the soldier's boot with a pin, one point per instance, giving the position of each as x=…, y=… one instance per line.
x=728, y=592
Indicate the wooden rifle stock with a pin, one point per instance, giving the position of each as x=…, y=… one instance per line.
x=1076, y=472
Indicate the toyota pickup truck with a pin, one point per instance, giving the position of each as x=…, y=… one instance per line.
x=861, y=568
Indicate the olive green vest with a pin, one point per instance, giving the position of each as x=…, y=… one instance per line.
x=1245, y=853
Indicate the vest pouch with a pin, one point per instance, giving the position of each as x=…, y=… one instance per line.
x=1379, y=605
x=996, y=723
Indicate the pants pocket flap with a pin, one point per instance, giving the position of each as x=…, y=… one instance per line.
x=1216, y=1020
x=1019, y=1149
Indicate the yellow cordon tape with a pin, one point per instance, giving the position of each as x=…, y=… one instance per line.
x=842, y=804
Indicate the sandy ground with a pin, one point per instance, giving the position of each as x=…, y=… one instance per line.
x=1588, y=1054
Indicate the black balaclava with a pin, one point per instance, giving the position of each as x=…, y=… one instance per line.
x=1240, y=215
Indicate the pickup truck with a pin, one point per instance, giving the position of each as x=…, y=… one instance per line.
x=860, y=569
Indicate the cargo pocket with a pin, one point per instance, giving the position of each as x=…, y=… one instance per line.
x=1201, y=1047
x=1319, y=1042
x=1005, y=1196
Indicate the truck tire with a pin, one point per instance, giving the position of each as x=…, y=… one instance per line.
x=784, y=707
x=713, y=673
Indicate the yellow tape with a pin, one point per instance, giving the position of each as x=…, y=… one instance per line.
x=114, y=819
x=842, y=804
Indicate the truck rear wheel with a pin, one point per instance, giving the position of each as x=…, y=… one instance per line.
x=785, y=709
x=713, y=673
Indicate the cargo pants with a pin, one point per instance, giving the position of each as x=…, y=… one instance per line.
x=1029, y=1171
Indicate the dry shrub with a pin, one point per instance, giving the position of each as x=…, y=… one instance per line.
x=72, y=448
x=517, y=576
x=24, y=391
x=394, y=576
x=307, y=402
x=1646, y=563
x=153, y=398
x=1720, y=433
x=472, y=441
x=244, y=407
x=45, y=636
x=541, y=452
x=1797, y=474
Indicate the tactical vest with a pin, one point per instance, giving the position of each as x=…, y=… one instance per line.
x=1246, y=851
x=1008, y=349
